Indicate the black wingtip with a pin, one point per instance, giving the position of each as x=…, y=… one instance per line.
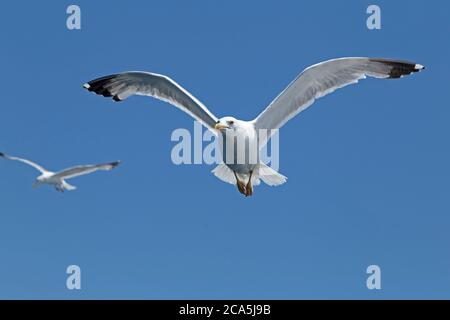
x=107, y=93
x=2, y=154
x=104, y=86
x=399, y=68
x=115, y=164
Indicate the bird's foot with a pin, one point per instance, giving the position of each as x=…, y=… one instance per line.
x=241, y=187
x=248, y=189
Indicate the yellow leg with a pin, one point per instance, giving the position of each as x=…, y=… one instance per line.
x=240, y=184
x=249, y=187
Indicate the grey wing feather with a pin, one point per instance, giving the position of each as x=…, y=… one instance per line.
x=28, y=162
x=322, y=79
x=82, y=170
x=121, y=86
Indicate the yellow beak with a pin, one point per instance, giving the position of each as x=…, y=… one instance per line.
x=220, y=126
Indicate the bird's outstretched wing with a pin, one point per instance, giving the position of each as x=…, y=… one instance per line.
x=322, y=79
x=121, y=86
x=28, y=162
x=82, y=170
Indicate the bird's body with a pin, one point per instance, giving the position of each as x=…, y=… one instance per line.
x=237, y=144
x=58, y=179
x=51, y=179
x=240, y=141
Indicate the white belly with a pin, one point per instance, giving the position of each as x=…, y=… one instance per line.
x=240, y=149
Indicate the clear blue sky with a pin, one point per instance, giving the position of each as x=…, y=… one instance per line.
x=367, y=166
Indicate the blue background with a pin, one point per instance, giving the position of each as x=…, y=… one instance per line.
x=368, y=166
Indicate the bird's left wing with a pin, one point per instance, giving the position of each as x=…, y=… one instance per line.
x=121, y=86
x=322, y=79
x=82, y=170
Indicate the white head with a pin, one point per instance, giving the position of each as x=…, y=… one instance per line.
x=38, y=182
x=227, y=123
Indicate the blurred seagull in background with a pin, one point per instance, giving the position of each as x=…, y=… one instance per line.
x=58, y=179
x=314, y=82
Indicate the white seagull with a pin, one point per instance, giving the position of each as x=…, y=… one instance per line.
x=58, y=179
x=314, y=82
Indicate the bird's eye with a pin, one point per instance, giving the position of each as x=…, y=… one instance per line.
x=230, y=122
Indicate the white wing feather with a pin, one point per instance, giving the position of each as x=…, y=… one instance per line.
x=28, y=162
x=322, y=79
x=121, y=86
x=82, y=170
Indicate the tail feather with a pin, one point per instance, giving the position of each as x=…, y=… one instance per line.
x=68, y=187
x=270, y=176
x=224, y=173
x=263, y=172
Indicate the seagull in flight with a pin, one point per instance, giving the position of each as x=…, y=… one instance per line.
x=314, y=82
x=58, y=179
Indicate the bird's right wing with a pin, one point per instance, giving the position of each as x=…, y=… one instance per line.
x=82, y=170
x=121, y=86
x=28, y=162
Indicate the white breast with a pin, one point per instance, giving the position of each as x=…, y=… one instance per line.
x=240, y=147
